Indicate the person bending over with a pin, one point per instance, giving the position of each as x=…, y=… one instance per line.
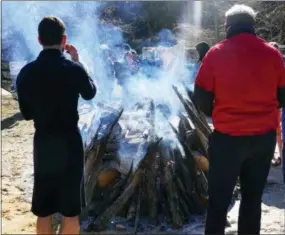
x=240, y=84
x=48, y=90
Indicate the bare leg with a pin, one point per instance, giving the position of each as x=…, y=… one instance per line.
x=279, y=141
x=277, y=160
x=44, y=225
x=70, y=225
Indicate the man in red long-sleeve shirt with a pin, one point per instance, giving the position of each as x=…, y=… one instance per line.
x=240, y=84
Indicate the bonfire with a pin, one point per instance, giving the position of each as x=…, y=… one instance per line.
x=132, y=173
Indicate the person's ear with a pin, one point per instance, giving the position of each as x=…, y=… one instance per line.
x=64, y=39
x=39, y=40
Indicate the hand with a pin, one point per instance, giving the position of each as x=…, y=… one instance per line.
x=72, y=51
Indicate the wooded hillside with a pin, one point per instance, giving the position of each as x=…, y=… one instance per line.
x=142, y=21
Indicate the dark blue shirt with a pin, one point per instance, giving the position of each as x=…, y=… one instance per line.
x=48, y=91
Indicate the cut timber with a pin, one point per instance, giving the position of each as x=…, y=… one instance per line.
x=96, y=151
x=201, y=126
x=129, y=191
x=108, y=177
x=140, y=177
x=201, y=161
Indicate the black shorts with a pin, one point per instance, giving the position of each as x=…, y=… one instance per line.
x=58, y=174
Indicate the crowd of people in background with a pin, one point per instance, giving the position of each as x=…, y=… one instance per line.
x=128, y=63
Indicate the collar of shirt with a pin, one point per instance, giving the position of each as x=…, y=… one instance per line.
x=240, y=28
x=46, y=53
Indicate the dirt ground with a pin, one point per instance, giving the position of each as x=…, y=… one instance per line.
x=17, y=180
x=17, y=169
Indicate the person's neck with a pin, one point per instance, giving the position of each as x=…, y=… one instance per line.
x=55, y=47
x=240, y=28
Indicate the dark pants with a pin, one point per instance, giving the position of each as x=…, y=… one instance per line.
x=283, y=162
x=58, y=174
x=248, y=157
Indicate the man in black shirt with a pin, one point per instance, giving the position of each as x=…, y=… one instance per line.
x=48, y=90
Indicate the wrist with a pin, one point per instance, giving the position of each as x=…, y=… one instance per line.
x=75, y=59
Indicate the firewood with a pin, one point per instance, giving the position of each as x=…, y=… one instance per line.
x=138, y=209
x=194, y=115
x=128, y=192
x=150, y=180
x=201, y=161
x=91, y=179
x=107, y=177
x=132, y=174
x=91, y=154
x=119, y=202
x=172, y=197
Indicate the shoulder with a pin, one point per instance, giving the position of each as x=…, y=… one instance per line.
x=271, y=50
x=26, y=73
x=214, y=52
x=72, y=64
x=75, y=67
x=218, y=48
x=28, y=67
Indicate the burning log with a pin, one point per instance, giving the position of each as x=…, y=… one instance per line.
x=132, y=173
x=119, y=203
x=203, y=130
x=94, y=158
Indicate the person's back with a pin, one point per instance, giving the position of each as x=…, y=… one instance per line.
x=246, y=77
x=48, y=92
x=54, y=84
x=241, y=84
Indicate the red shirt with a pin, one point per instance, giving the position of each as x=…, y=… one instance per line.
x=243, y=72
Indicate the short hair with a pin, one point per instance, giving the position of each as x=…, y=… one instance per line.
x=126, y=47
x=51, y=30
x=240, y=14
x=202, y=49
x=202, y=46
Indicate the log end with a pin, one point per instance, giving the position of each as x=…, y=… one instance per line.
x=202, y=162
x=108, y=177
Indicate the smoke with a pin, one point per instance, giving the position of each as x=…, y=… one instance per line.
x=87, y=33
x=21, y=19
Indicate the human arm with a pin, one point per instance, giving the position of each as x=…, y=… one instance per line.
x=203, y=96
x=23, y=92
x=87, y=88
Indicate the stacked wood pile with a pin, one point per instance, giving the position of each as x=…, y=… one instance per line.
x=132, y=173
